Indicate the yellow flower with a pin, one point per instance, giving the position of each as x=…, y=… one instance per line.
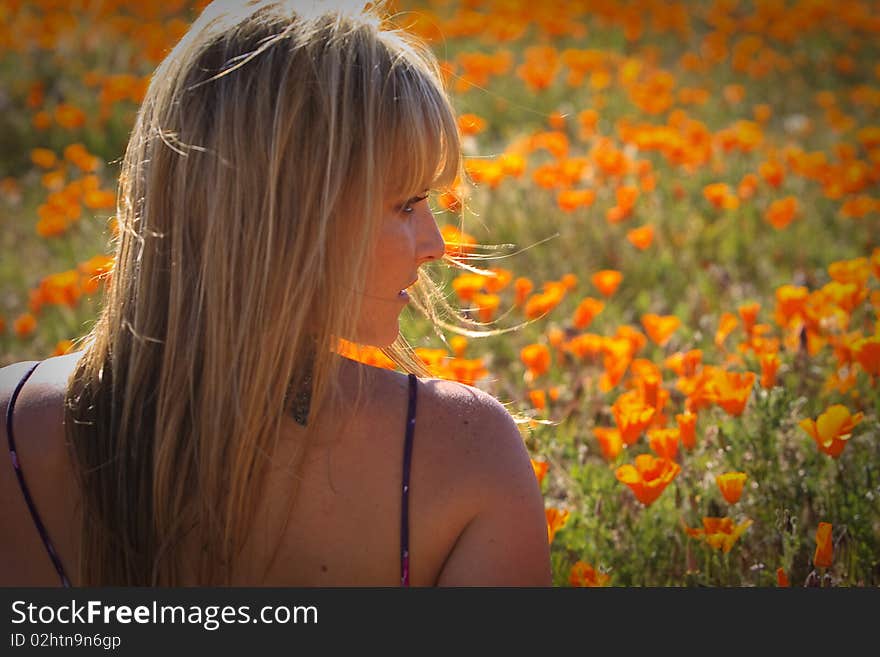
x=556, y=519
x=583, y=574
x=832, y=429
x=719, y=533
x=731, y=485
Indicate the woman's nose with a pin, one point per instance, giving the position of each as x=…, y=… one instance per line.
x=431, y=243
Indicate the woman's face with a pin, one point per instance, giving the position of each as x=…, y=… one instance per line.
x=408, y=237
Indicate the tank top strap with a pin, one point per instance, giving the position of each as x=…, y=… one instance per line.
x=404, y=499
x=44, y=535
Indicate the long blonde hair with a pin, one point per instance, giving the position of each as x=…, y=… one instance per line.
x=249, y=198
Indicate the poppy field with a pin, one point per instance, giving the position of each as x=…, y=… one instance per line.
x=670, y=218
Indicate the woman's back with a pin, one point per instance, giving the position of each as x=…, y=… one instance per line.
x=475, y=511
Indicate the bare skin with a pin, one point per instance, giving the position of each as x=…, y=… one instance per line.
x=476, y=512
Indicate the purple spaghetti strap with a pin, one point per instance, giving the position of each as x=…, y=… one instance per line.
x=404, y=499
x=24, y=489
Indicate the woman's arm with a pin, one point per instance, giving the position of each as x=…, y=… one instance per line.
x=505, y=543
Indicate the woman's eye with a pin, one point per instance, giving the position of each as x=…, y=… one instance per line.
x=407, y=208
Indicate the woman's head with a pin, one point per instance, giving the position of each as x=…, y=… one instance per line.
x=259, y=203
x=270, y=143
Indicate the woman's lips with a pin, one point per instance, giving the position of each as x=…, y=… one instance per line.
x=403, y=294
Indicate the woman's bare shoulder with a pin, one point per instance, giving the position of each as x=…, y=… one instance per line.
x=50, y=376
x=472, y=414
x=39, y=406
x=474, y=435
x=475, y=443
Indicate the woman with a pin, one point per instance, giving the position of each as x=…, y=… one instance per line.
x=272, y=202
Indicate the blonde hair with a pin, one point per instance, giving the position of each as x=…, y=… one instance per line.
x=249, y=196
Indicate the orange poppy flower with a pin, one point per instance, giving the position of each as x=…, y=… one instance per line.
x=433, y=359
x=782, y=212
x=484, y=171
x=748, y=312
x=95, y=270
x=781, y=578
x=467, y=370
x=762, y=112
x=471, y=124
x=660, y=327
x=41, y=120
x=467, y=285
x=719, y=533
x=616, y=214
x=721, y=196
x=747, y=186
x=448, y=199
x=734, y=93
x=522, y=287
x=643, y=368
x=459, y=344
x=586, y=311
x=832, y=429
x=52, y=225
x=731, y=390
x=642, y=237
x=487, y=305
x=583, y=574
x=68, y=116
x=769, y=367
x=633, y=336
x=691, y=362
x=364, y=354
x=540, y=468
x=858, y=206
x=585, y=345
x=632, y=416
x=63, y=347
x=538, y=399
x=536, y=358
x=650, y=386
x=772, y=173
x=687, y=429
x=610, y=441
x=24, y=325
x=726, y=324
x=731, y=485
x=569, y=281
x=555, y=336
x=62, y=288
x=791, y=301
x=570, y=200
x=542, y=303
x=823, y=556
x=855, y=271
x=43, y=158
x=649, y=477
x=867, y=353
x=53, y=180
x=500, y=280
x=664, y=442
x=556, y=519
x=457, y=242
x=607, y=281
x=78, y=155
